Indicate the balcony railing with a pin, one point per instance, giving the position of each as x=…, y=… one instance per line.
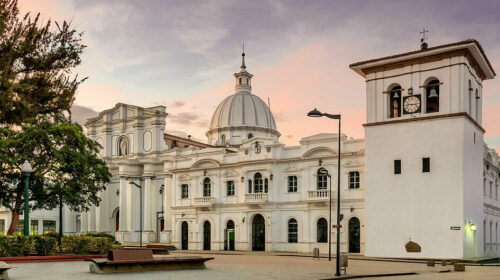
x=204, y=201
x=318, y=195
x=256, y=197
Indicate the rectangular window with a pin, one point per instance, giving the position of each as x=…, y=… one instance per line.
x=292, y=183
x=34, y=227
x=78, y=223
x=397, y=166
x=426, y=164
x=354, y=180
x=2, y=226
x=49, y=226
x=230, y=188
x=19, y=227
x=184, y=191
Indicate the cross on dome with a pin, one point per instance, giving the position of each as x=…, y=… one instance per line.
x=243, y=78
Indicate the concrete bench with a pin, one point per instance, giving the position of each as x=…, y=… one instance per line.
x=142, y=260
x=3, y=270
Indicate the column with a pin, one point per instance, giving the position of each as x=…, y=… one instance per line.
x=147, y=204
x=167, y=213
x=124, y=225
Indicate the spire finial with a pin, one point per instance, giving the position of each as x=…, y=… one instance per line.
x=423, y=44
x=243, y=66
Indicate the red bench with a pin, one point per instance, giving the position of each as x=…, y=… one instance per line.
x=143, y=260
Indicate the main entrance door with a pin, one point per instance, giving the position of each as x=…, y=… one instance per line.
x=354, y=235
x=258, y=233
x=229, y=236
x=206, y=235
x=184, y=235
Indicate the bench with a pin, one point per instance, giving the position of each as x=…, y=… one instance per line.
x=158, y=249
x=3, y=270
x=143, y=260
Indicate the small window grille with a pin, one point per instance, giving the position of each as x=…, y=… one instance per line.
x=426, y=164
x=397, y=166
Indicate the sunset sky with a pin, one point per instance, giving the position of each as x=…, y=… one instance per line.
x=182, y=54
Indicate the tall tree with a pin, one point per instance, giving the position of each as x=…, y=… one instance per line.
x=67, y=167
x=36, y=60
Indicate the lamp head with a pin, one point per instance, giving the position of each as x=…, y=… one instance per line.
x=315, y=113
x=473, y=227
x=26, y=168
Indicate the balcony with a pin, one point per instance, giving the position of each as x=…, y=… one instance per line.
x=255, y=198
x=204, y=201
x=318, y=195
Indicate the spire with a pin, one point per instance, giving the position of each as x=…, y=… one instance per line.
x=243, y=66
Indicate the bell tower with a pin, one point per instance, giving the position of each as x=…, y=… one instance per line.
x=243, y=78
x=424, y=151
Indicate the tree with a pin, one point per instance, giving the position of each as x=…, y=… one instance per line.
x=35, y=65
x=66, y=166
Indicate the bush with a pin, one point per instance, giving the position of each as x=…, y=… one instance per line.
x=88, y=244
x=51, y=234
x=45, y=246
x=102, y=245
x=102, y=234
x=16, y=245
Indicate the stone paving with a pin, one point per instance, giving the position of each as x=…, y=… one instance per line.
x=256, y=266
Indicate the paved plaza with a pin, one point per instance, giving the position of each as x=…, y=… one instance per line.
x=256, y=266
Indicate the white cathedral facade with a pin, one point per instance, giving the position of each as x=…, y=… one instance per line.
x=421, y=184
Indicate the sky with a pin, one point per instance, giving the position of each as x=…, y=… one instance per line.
x=182, y=54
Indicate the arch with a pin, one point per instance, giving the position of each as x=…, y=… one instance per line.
x=395, y=97
x=258, y=183
x=321, y=180
x=205, y=163
x=432, y=95
x=184, y=235
x=322, y=230
x=258, y=233
x=354, y=235
x=319, y=152
x=229, y=236
x=207, y=233
x=293, y=231
x=207, y=187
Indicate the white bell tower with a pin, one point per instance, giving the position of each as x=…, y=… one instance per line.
x=424, y=151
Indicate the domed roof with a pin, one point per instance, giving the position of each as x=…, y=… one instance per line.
x=243, y=109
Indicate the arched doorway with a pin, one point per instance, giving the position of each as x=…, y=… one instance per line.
x=258, y=233
x=116, y=218
x=354, y=235
x=229, y=236
x=184, y=236
x=206, y=235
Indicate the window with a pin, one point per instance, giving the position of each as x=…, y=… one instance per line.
x=266, y=185
x=78, y=223
x=257, y=181
x=397, y=166
x=49, y=226
x=249, y=186
x=322, y=181
x=470, y=98
x=258, y=148
x=34, y=227
x=322, y=229
x=250, y=136
x=292, y=231
x=496, y=192
x=395, y=102
x=185, y=190
x=432, y=96
x=354, y=180
x=477, y=104
x=292, y=183
x=230, y=188
x=491, y=189
x=240, y=80
x=207, y=188
x=19, y=227
x=2, y=226
x=223, y=140
x=426, y=164
x=484, y=186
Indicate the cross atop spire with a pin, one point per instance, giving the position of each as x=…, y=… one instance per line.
x=423, y=44
x=243, y=66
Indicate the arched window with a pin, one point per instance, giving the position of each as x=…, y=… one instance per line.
x=395, y=102
x=322, y=181
x=123, y=146
x=223, y=140
x=477, y=105
x=470, y=97
x=292, y=231
x=249, y=186
x=207, y=188
x=432, y=96
x=174, y=144
x=250, y=136
x=322, y=229
x=240, y=80
x=257, y=182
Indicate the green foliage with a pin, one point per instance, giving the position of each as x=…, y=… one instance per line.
x=16, y=245
x=102, y=234
x=51, y=234
x=36, y=59
x=85, y=244
x=45, y=245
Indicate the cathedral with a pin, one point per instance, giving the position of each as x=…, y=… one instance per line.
x=421, y=184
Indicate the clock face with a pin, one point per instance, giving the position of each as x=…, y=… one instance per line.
x=411, y=104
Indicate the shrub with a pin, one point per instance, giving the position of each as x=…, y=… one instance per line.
x=45, y=246
x=51, y=234
x=76, y=244
x=103, y=234
x=102, y=245
x=16, y=245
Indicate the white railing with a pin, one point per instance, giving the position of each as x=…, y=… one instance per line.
x=256, y=197
x=204, y=201
x=318, y=195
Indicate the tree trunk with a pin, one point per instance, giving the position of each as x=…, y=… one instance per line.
x=13, y=223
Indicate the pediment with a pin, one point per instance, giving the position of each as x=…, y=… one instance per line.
x=206, y=163
x=319, y=152
x=184, y=178
x=292, y=168
x=352, y=163
x=230, y=174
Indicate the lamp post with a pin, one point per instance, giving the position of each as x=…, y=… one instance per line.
x=322, y=170
x=160, y=215
x=140, y=217
x=316, y=114
x=26, y=169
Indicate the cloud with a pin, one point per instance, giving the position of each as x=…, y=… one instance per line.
x=177, y=103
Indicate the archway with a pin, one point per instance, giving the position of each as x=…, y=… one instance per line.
x=258, y=233
x=229, y=236
x=184, y=236
x=354, y=235
x=206, y=235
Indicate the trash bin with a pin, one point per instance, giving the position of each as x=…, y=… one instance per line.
x=343, y=260
x=316, y=253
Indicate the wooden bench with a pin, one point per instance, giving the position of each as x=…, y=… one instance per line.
x=3, y=270
x=158, y=249
x=142, y=260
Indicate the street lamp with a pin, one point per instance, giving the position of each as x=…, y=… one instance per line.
x=26, y=169
x=140, y=206
x=322, y=170
x=316, y=114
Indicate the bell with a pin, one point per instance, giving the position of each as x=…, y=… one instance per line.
x=396, y=95
x=433, y=93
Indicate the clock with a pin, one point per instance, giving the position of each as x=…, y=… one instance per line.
x=411, y=104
